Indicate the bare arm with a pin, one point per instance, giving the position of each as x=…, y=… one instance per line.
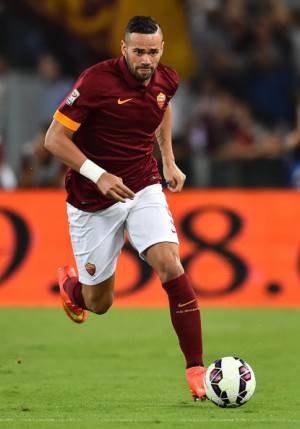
x=174, y=176
x=59, y=142
x=164, y=137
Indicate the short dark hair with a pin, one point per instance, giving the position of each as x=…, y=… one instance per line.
x=143, y=25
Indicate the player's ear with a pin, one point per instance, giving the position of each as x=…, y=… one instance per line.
x=162, y=47
x=123, y=45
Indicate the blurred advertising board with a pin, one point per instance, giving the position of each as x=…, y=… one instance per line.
x=241, y=248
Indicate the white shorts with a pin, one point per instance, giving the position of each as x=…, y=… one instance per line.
x=97, y=238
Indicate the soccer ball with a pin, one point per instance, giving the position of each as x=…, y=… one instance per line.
x=229, y=382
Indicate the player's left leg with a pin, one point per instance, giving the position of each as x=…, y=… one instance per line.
x=185, y=314
x=152, y=232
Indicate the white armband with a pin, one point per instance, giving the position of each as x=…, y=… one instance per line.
x=91, y=171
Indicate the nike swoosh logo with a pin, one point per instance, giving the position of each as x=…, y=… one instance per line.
x=124, y=101
x=186, y=303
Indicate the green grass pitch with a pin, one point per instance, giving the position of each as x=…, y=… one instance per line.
x=124, y=370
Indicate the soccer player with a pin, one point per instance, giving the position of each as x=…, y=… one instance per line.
x=105, y=132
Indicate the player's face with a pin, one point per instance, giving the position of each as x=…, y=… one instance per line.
x=142, y=53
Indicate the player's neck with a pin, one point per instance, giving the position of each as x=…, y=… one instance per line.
x=146, y=82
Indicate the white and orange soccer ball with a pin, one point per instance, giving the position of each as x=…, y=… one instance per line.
x=229, y=382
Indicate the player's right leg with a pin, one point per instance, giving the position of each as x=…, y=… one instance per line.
x=99, y=298
x=70, y=293
x=78, y=298
x=97, y=239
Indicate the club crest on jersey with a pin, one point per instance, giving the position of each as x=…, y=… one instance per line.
x=91, y=268
x=161, y=99
x=72, y=97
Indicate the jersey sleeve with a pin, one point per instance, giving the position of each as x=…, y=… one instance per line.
x=174, y=81
x=171, y=80
x=78, y=104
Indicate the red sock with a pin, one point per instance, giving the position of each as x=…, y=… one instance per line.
x=185, y=316
x=74, y=289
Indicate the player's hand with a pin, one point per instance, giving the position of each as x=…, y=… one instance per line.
x=113, y=187
x=174, y=177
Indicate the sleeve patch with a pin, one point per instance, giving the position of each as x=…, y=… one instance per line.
x=72, y=97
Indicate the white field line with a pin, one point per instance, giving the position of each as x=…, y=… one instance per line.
x=200, y=420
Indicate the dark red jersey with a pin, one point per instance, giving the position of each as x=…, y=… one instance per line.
x=114, y=118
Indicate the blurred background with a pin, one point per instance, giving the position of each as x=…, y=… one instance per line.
x=236, y=135
x=236, y=116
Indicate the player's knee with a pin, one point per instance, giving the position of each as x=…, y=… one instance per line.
x=101, y=307
x=169, y=267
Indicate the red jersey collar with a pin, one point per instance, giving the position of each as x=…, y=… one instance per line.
x=132, y=82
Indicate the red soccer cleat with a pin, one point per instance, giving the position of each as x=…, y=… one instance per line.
x=195, y=378
x=75, y=313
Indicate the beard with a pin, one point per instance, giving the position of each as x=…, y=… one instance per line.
x=146, y=74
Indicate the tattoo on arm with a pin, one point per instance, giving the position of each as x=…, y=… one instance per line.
x=160, y=137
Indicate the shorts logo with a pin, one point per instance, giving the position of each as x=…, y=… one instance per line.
x=72, y=97
x=91, y=268
x=161, y=99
